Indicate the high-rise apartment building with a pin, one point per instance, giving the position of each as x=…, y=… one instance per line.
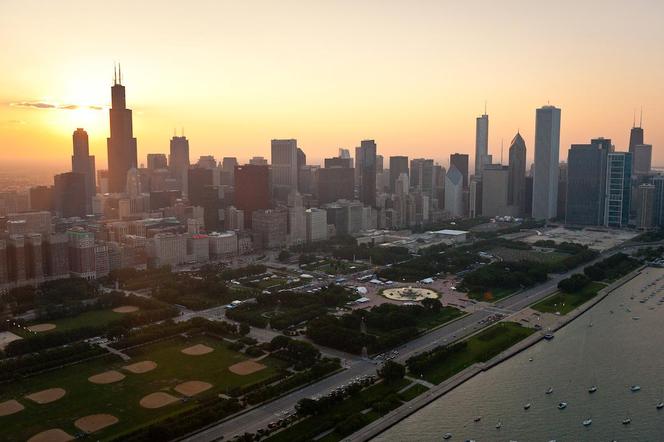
x=454, y=193
x=545, y=177
x=495, y=187
x=121, y=145
x=398, y=165
x=642, y=159
x=157, y=161
x=423, y=177
x=178, y=161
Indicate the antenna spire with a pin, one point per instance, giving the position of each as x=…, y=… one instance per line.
x=641, y=118
x=484, y=107
x=115, y=73
x=119, y=73
x=501, y=150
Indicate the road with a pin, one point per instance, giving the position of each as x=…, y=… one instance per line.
x=259, y=417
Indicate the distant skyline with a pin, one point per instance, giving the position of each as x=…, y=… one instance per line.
x=411, y=75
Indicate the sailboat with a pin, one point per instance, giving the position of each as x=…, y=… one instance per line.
x=627, y=421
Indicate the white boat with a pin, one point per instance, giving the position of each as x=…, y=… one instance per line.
x=498, y=425
x=562, y=405
x=592, y=389
x=527, y=406
x=627, y=421
x=660, y=405
x=635, y=388
x=447, y=436
x=549, y=390
x=587, y=422
x=477, y=418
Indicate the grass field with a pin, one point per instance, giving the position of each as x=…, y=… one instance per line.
x=89, y=318
x=336, y=267
x=566, y=302
x=481, y=347
x=121, y=399
x=412, y=392
x=516, y=255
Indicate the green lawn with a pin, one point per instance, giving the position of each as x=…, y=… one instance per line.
x=516, y=255
x=492, y=295
x=566, y=302
x=481, y=347
x=121, y=399
x=412, y=392
x=89, y=318
x=446, y=314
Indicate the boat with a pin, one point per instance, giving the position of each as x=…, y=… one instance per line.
x=635, y=388
x=530, y=359
x=447, y=436
x=592, y=389
x=498, y=425
x=627, y=421
x=636, y=318
x=549, y=390
x=527, y=406
x=477, y=418
x=562, y=405
x=660, y=405
x=548, y=336
x=587, y=422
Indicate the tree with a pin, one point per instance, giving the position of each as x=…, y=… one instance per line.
x=432, y=304
x=244, y=329
x=284, y=256
x=279, y=341
x=392, y=372
x=307, y=407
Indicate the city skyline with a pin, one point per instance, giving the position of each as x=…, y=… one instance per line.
x=426, y=109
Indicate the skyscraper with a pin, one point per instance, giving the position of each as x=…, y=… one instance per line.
x=178, y=160
x=284, y=167
x=516, y=185
x=481, y=142
x=642, y=159
x=121, y=144
x=82, y=162
x=495, y=182
x=460, y=161
x=545, y=177
x=586, y=182
x=618, y=189
x=69, y=194
x=398, y=165
x=157, y=161
x=252, y=190
x=635, y=136
x=454, y=193
x=367, y=161
x=422, y=176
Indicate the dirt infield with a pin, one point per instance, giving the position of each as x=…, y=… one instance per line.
x=126, y=309
x=46, y=396
x=197, y=350
x=37, y=328
x=52, y=435
x=157, y=400
x=141, y=367
x=192, y=388
x=10, y=407
x=107, y=377
x=95, y=422
x=246, y=367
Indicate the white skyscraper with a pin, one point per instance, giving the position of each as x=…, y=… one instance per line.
x=545, y=174
x=481, y=143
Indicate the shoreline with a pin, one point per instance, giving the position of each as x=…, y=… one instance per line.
x=395, y=416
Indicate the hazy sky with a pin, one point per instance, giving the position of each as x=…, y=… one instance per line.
x=412, y=75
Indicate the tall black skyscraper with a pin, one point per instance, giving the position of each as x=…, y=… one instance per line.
x=516, y=186
x=69, y=194
x=82, y=162
x=586, y=182
x=178, y=160
x=636, y=135
x=367, y=160
x=121, y=144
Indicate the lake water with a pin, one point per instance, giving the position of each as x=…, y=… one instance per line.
x=617, y=351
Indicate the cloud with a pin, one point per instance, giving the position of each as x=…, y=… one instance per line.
x=44, y=105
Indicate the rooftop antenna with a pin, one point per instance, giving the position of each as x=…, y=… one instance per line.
x=634, y=118
x=119, y=73
x=641, y=118
x=115, y=73
x=484, y=107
